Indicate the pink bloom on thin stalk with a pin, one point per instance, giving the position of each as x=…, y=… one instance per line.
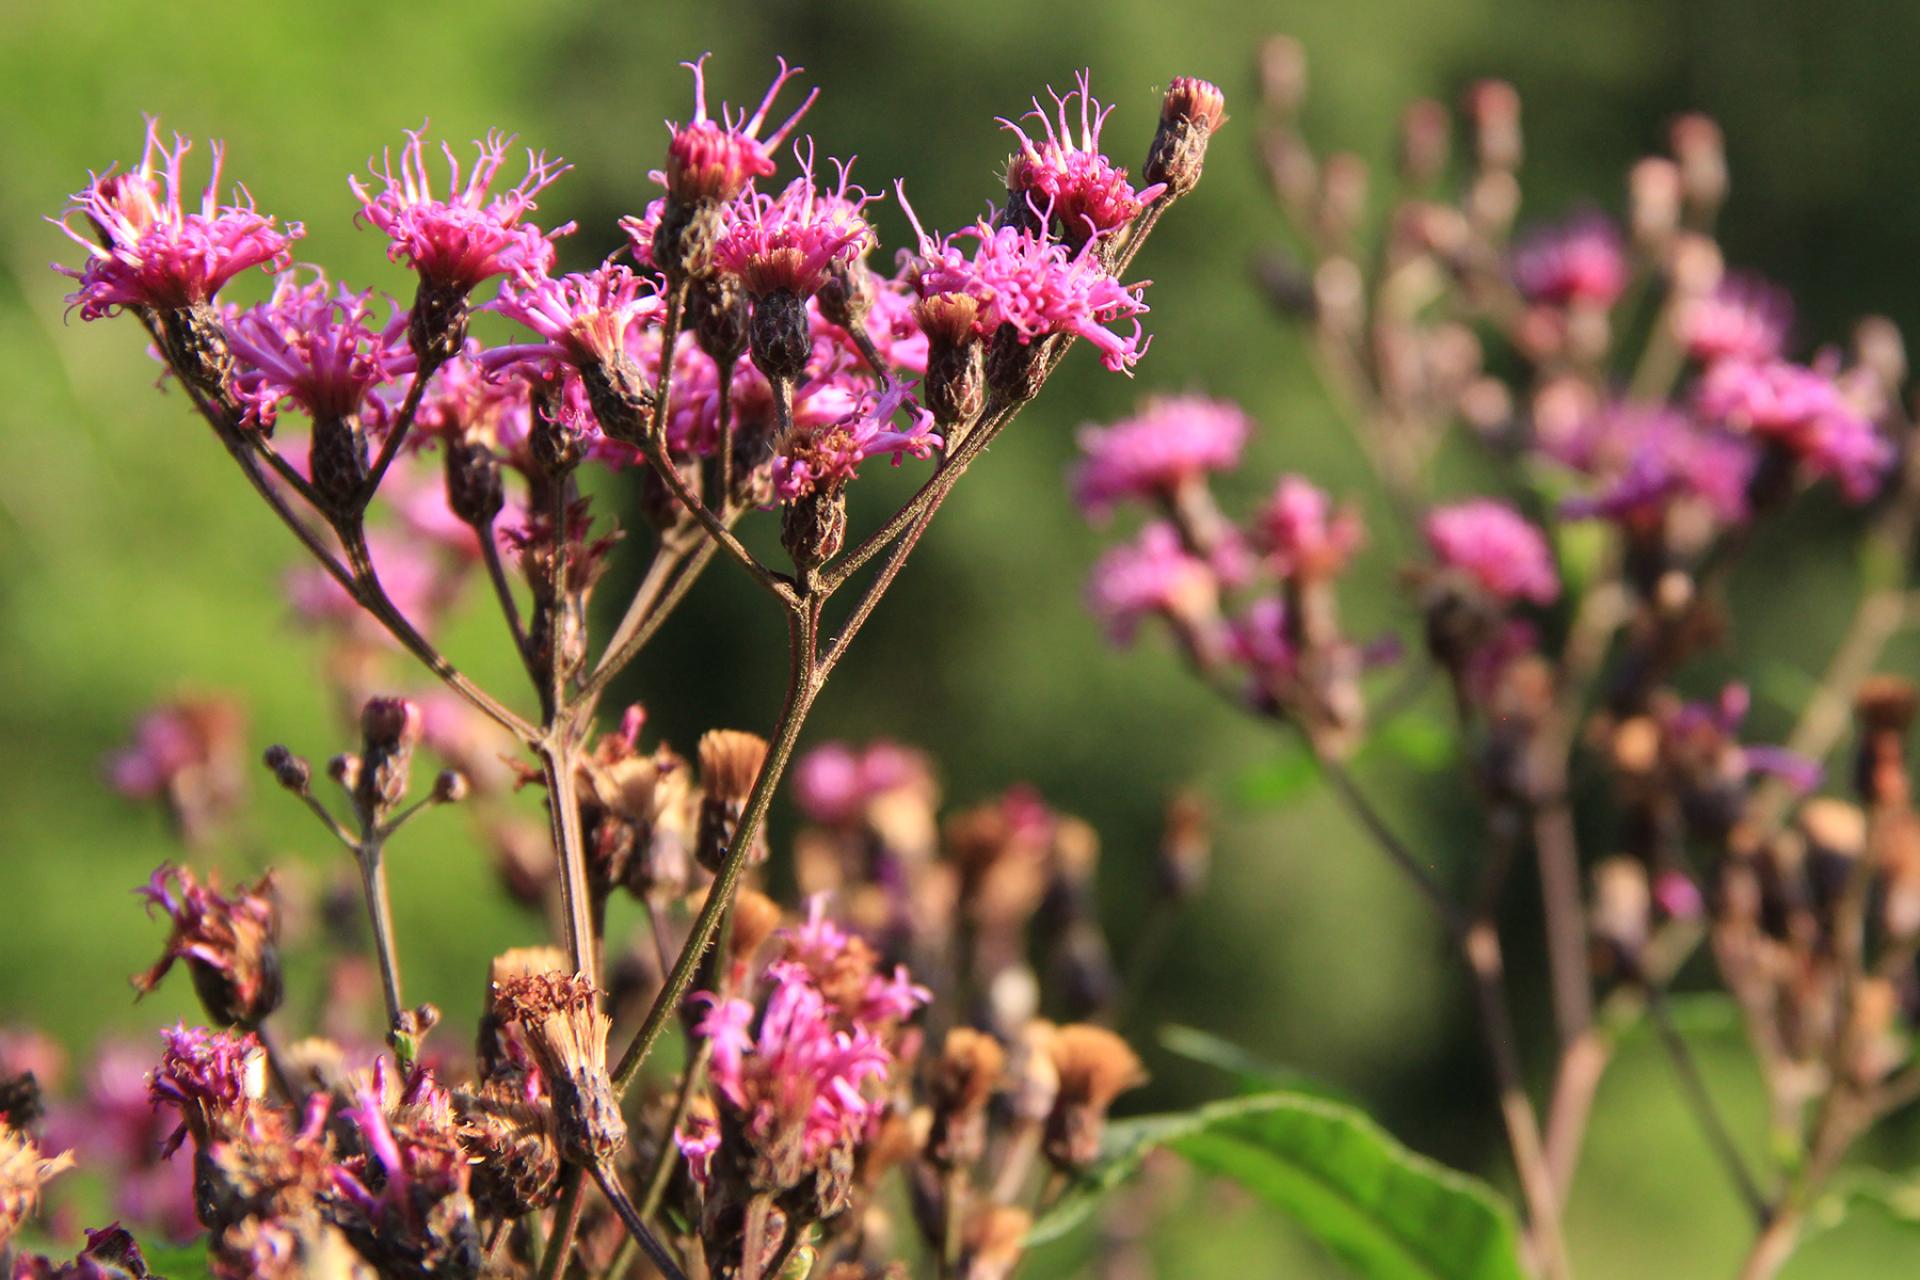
x=1582, y=260
x=209, y=1078
x=1260, y=640
x=1494, y=546
x=1068, y=176
x=1806, y=410
x=825, y=458
x=585, y=318
x=817, y=949
x=1150, y=456
x=793, y=240
x=148, y=251
x=799, y=1075
x=834, y=782
x=715, y=160
x=1155, y=574
x=320, y=346
x=1034, y=284
x=1744, y=317
x=471, y=235
x=1305, y=533
x=1645, y=458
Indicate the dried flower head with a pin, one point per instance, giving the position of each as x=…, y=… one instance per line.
x=567, y=1032
x=1094, y=1066
x=24, y=1170
x=230, y=943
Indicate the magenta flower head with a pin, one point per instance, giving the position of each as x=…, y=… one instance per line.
x=835, y=782
x=148, y=251
x=229, y=944
x=321, y=347
x=1580, y=261
x=1307, y=536
x=1744, y=317
x=1066, y=177
x=790, y=242
x=1645, y=459
x=1155, y=574
x=470, y=235
x=822, y=459
x=1808, y=412
x=212, y=1079
x=794, y=1091
x=1495, y=548
x=1033, y=285
x=585, y=319
x=713, y=161
x=1172, y=442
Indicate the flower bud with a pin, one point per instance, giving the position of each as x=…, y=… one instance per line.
x=1189, y=114
x=450, y=786
x=390, y=729
x=717, y=312
x=779, y=336
x=288, y=769
x=338, y=464
x=1283, y=73
x=955, y=388
x=1493, y=108
x=1095, y=1066
x=1424, y=135
x=437, y=325
x=813, y=528
x=683, y=241
x=1016, y=366
x=195, y=345
x=1702, y=154
x=620, y=400
x=474, y=491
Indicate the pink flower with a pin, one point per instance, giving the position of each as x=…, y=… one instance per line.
x=826, y=458
x=464, y=401
x=791, y=241
x=1745, y=317
x=1580, y=260
x=319, y=347
x=715, y=160
x=800, y=1076
x=1306, y=536
x=585, y=318
x=1804, y=410
x=699, y=1141
x=1035, y=285
x=1494, y=546
x=828, y=956
x=1260, y=641
x=1172, y=440
x=1067, y=177
x=1153, y=575
x=150, y=252
x=116, y=1129
x=835, y=781
x=227, y=941
x=190, y=744
x=470, y=236
x=1646, y=458
x=211, y=1078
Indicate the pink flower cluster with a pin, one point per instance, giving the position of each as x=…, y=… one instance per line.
x=1807, y=411
x=1307, y=536
x=716, y=160
x=791, y=241
x=1496, y=548
x=470, y=235
x=1148, y=457
x=209, y=1078
x=826, y=457
x=1646, y=458
x=801, y=1067
x=1744, y=317
x=586, y=319
x=1154, y=575
x=835, y=781
x=319, y=346
x=1581, y=261
x=1067, y=178
x=151, y=252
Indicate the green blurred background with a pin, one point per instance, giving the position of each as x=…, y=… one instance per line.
x=133, y=566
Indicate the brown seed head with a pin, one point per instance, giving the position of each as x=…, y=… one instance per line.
x=730, y=760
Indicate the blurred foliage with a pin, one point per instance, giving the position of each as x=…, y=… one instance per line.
x=133, y=566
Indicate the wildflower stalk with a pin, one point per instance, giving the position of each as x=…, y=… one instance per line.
x=566, y=1220
x=637, y=1229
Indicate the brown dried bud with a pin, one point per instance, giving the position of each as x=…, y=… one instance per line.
x=1283, y=73
x=450, y=786
x=437, y=326
x=992, y=1241
x=514, y=1146
x=23, y=1172
x=1095, y=1066
x=195, y=345
x=20, y=1101
x=755, y=917
x=1702, y=153
x=1425, y=129
x=1653, y=201
x=567, y=1032
x=507, y=967
x=971, y=1066
x=1189, y=114
x=684, y=239
x=1016, y=366
x=345, y=769
x=390, y=729
x=1493, y=109
x=338, y=465
x=813, y=528
x=955, y=387
x=474, y=490
x=288, y=769
x=847, y=296
x=779, y=335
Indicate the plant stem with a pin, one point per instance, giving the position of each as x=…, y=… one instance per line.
x=567, y=1223
x=564, y=803
x=1700, y=1098
x=637, y=1229
x=1566, y=918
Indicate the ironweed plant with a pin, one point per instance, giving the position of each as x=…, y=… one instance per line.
x=1645, y=411
x=745, y=360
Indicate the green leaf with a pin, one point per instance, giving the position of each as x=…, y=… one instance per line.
x=1389, y=1213
x=1425, y=742
x=1277, y=780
